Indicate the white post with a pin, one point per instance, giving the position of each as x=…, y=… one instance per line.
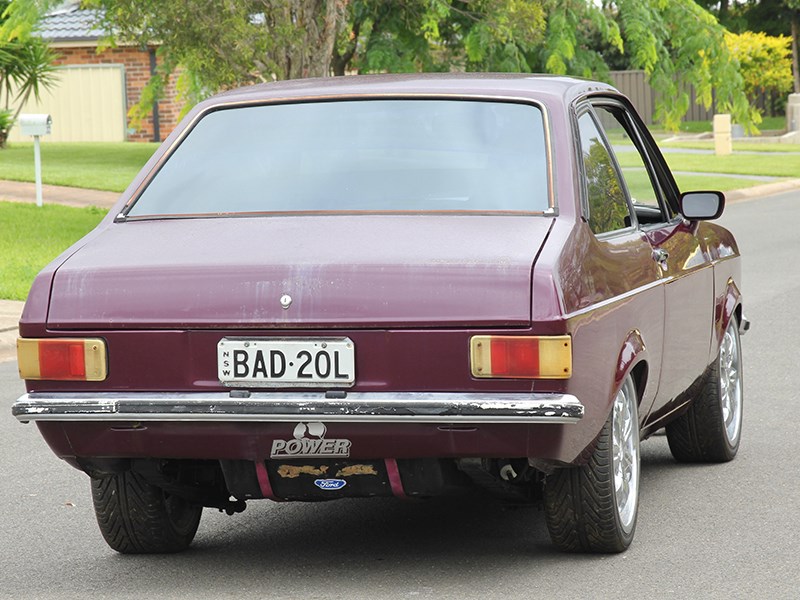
x=722, y=135
x=37, y=165
x=793, y=113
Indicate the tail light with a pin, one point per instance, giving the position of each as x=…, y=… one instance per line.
x=521, y=357
x=62, y=359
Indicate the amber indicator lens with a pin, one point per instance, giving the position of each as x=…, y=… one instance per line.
x=521, y=357
x=62, y=359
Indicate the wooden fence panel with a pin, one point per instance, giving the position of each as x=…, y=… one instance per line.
x=634, y=85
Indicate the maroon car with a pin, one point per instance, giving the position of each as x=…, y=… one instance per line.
x=393, y=285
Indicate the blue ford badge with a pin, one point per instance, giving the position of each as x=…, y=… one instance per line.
x=330, y=484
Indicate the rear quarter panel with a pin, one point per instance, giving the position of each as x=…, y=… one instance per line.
x=605, y=293
x=724, y=253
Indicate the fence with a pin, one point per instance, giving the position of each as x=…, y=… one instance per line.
x=635, y=86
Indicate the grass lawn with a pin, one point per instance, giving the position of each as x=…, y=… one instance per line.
x=642, y=191
x=734, y=164
x=737, y=164
x=112, y=166
x=687, y=183
x=99, y=166
x=767, y=124
x=740, y=146
x=34, y=236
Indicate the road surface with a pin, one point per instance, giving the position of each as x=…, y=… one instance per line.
x=719, y=531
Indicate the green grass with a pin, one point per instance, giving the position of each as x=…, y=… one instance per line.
x=687, y=183
x=112, y=166
x=772, y=123
x=737, y=164
x=767, y=124
x=734, y=164
x=642, y=191
x=34, y=236
x=696, y=126
x=737, y=146
x=99, y=166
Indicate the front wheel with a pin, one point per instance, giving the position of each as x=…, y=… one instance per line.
x=136, y=517
x=593, y=507
x=710, y=431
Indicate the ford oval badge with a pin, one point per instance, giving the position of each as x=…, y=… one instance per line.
x=330, y=484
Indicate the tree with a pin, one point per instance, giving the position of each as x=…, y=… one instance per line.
x=26, y=67
x=230, y=43
x=773, y=17
x=675, y=42
x=765, y=62
x=607, y=205
x=776, y=17
x=220, y=45
x=439, y=35
x=794, y=16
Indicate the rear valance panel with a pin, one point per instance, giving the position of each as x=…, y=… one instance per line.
x=405, y=360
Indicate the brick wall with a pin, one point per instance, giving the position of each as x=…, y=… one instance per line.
x=137, y=74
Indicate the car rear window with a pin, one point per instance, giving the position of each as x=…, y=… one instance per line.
x=360, y=155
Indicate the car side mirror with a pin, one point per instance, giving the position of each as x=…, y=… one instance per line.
x=702, y=206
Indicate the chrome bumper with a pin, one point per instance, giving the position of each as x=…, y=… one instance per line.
x=266, y=407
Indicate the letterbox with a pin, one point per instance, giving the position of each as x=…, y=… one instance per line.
x=35, y=124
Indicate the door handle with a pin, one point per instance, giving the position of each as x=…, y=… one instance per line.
x=661, y=256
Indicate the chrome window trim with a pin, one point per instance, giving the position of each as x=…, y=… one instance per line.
x=552, y=209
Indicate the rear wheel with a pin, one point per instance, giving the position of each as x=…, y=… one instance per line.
x=593, y=507
x=711, y=429
x=136, y=517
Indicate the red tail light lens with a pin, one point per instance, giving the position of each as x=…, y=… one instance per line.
x=62, y=359
x=521, y=357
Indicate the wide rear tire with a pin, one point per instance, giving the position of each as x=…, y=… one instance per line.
x=593, y=507
x=136, y=517
x=710, y=431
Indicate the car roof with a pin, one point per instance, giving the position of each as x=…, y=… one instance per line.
x=545, y=88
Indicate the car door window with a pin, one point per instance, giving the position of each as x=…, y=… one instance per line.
x=607, y=205
x=646, y=194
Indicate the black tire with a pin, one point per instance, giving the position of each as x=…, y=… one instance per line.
x=584, y=510
x=710, y=431
x=136, y=517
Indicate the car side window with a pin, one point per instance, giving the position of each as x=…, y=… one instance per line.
x=607, y=205
x=647, y=197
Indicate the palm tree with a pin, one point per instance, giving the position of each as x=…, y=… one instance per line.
x=26, y=67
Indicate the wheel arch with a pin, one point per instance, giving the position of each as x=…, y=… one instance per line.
x=729, y=306
x=639, y=373
x=633, y=359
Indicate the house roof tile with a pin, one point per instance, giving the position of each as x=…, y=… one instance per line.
x=69, y=23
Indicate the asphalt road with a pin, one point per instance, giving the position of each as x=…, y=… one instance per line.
x=720, y=531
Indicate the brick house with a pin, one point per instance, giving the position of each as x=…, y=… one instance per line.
x=71, y=32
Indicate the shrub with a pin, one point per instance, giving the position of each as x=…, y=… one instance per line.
x=6, y=121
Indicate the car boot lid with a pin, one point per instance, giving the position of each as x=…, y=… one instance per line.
x=302, y=271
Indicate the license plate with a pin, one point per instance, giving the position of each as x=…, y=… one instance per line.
x=301, y=362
